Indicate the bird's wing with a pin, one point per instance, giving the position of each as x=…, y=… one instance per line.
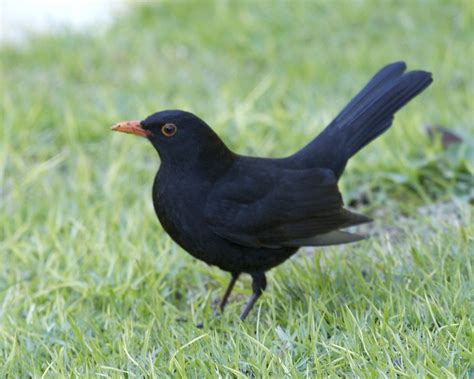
x=277, y=207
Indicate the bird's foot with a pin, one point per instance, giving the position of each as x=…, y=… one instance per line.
x=259, y=283
x=223, y=303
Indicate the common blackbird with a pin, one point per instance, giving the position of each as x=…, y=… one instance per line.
x=248, y=214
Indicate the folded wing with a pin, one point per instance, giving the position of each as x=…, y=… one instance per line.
x=279, y=207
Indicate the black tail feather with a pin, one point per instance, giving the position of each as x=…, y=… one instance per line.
x=373, y=87
x=370, y=120
x=367, y=116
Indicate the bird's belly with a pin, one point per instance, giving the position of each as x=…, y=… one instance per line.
x=189, y=230
x=180, y=210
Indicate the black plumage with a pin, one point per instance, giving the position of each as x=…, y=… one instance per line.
x=247, y=214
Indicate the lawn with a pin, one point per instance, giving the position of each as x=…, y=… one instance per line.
x=91, y=285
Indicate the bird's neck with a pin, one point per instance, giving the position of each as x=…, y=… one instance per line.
x=208, y=162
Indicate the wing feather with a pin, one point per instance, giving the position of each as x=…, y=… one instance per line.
x=274, y=207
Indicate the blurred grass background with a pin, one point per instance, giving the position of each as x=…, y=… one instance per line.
x=90, y=284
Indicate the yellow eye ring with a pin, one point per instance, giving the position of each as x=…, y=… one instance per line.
x=169, y=130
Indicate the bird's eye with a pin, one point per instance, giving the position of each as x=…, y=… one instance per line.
x=169, y=130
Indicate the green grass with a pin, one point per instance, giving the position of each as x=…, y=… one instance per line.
x=90, y=285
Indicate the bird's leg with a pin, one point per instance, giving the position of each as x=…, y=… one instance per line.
x=259, y=283
x=229, y=290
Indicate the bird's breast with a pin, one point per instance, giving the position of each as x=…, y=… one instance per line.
x=179, y=204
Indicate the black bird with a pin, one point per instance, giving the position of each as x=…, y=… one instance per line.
x=247, y=214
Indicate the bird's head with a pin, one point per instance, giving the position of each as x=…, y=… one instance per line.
x=179, y=137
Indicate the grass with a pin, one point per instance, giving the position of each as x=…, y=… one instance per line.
x=90, y=285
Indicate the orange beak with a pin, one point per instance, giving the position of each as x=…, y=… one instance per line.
x=131, y=127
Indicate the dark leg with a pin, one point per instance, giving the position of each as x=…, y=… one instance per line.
x=259, y=283
x=229, y=290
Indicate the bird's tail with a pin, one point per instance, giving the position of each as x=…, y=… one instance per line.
x=367, y=116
